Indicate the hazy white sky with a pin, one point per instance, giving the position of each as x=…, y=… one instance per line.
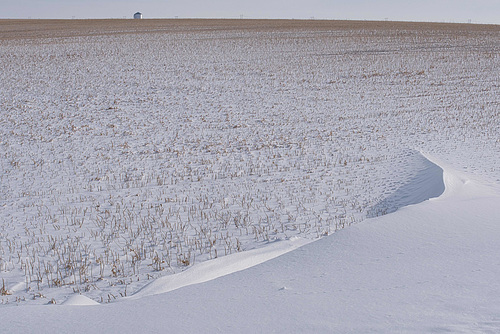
x=478, y=11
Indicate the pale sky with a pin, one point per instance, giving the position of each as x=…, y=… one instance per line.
x=477, y=11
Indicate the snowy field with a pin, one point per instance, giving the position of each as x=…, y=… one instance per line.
x=141, y=157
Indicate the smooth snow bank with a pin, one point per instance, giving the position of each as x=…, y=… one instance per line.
x=430, y=267
x=222, y=266
x=79, y=300
x=427, y=183
x=459, y=185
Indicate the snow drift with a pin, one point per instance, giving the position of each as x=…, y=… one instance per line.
x=430, y=267
x=213, y=269
x=427, y=183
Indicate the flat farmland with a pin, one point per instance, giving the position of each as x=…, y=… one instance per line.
x=135, y=149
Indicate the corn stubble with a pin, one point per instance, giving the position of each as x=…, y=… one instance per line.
x=130, y=152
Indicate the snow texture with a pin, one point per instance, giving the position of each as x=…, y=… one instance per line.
x=430, y=267
x=227, y=177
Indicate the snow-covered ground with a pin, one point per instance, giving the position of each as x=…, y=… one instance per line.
x=430, y=267
x=136, y=164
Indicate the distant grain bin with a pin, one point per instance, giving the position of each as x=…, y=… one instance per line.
x=138, y=15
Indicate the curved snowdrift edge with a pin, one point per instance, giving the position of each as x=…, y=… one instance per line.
x=431, y=182
x=459, y=184
x=427, y=182
x=218, y=267
x=434, y=181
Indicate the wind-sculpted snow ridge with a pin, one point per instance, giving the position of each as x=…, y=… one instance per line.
x=80, y=300
x=428, y=268
x=427, y=183
x=216, y=268
x=460, y=185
